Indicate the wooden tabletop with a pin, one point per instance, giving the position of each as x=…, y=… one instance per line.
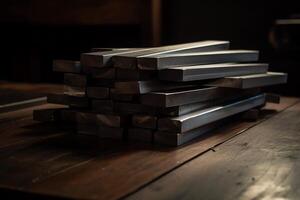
x=241, y=160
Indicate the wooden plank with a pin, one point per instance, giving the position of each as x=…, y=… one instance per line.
x=66, y=66
x=103, y=59
x=23, y=104
x=144, y=121
x=100, y=73
x=102, y=132
x=63, y=99
x=134, y=108
x=183, y=96
x=140, y=135
x=103, y=106
x=159, y=62
x=143, y=87
x=76, y=80
x=251, y=81
x=74, y=91
x=258, y=164
x=199, y=118
x=98, y=92
x=135, y=75
x=203, y=72
x=110, y=120
x=147, y=163
x=122, y=97
x=130, y=60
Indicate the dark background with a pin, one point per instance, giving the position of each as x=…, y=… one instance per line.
x=35, y=32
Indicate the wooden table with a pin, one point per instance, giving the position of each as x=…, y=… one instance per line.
x=242, y=160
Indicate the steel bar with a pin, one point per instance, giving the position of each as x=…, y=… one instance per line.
x=140, y=135
x=66, y=66
x=100, y=73
x=251, y=81
x=165, y=61
x=135, y=75
x=184, y=96
x=202, y=117
x=177, y=139
x=129, y=60
x=76, y=80
x=144, y=121
x=98, y=92
x=102, y=132
x=212, y=71
x=143, y=87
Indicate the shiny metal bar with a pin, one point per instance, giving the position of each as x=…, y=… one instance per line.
x=166, y=61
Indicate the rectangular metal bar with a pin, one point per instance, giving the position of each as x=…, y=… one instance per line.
x=103, y=106
x=74, y=101
x=212, y=71
x=184, y=96
x=110, y=120
x=129, y=60
x=98, y=92
x=140, y=135
x=66, y=66
x=100, y=82
x=177, y=139
x=187, y=108
x=122, y=97
x=74, y=91
x=251, y=81
x=103, y=58
x=202, y=117
x=165, y=61
x=76, y=80
x=143, y=87
x=144, y=121
x=135, y=74
x=100, y=73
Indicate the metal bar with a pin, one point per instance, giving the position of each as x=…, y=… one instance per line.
x=76, y=80
x=143, y=87
x=144, y=121
x=100, y=73
x=98, y=92
x=177, y=139
x=134, y=108
x=202, y=117
x=130, y=60
x=184, y=96
x=251, y=81
x=101, y=132
x=122, y=97
x=203, y=72
x=66, y=66
x=165, y=61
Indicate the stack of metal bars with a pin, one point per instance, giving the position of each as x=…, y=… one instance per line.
x=166, y=95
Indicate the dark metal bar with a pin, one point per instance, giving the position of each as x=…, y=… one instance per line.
x=202, y=117
x=110, y=120
x=140, y=135
x=129, y=60
x=203, y=72
x=100, y=73
x=165, y=61
x=251, y=81
x=134, y=108
x=135, y=75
